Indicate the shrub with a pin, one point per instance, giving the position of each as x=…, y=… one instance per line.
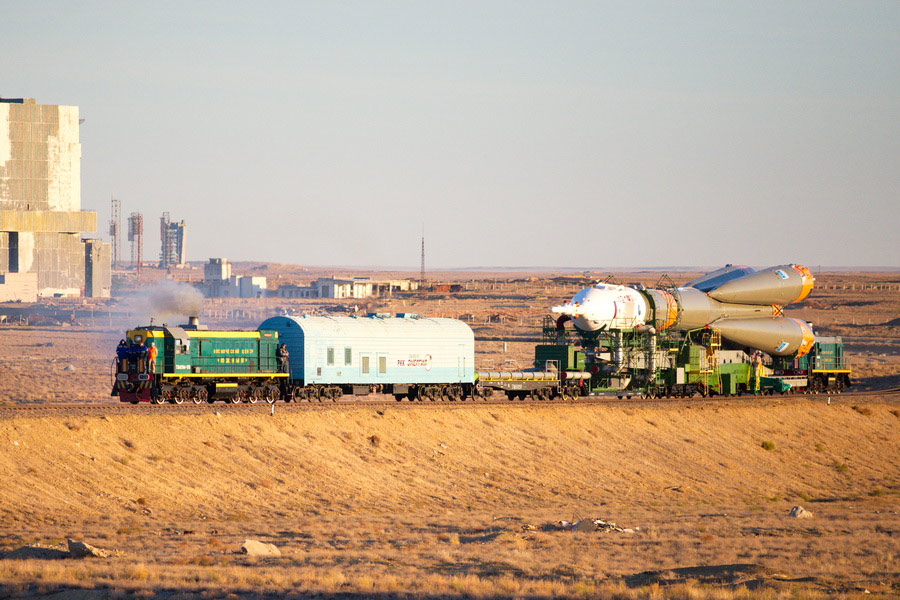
x=863, y=410
x=839, y=466
x=767, y=445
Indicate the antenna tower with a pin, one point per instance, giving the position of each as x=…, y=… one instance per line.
x=136, y=237
x=422, y=268
x=115, y=229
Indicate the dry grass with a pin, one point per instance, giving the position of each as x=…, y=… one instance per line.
x=400, y=518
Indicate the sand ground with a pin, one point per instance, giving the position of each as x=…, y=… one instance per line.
x=453, y=502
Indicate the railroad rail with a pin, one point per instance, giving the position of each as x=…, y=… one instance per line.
x=384, y=402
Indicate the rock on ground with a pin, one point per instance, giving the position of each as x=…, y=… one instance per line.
x=799, y=512
x=255, y=548
x=83, y=550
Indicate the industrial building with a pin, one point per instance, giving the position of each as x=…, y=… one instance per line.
x=356, y=287
x=42, y=253
x=218, y=282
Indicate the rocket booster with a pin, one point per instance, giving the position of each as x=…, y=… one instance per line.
x=743, y=304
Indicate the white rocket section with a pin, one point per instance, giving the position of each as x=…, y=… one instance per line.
x=606, y=306
x=752, y=317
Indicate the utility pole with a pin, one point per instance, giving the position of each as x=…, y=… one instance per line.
x=422, y=268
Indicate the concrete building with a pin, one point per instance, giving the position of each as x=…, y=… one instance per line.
x=218, y=282
x=41, y=220
x=355, y=287
x=217, y=269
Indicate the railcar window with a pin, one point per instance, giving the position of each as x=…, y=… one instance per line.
x=330, y=357
x=382, y=365
x=348, y=356
x=364, y=361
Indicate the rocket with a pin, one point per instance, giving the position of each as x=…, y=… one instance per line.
x=745, y=305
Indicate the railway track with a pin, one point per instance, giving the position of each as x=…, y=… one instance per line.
x=388, y=402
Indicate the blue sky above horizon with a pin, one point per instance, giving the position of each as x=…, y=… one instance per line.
x=518, y=133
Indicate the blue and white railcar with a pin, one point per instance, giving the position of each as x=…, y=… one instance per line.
x=403, y=355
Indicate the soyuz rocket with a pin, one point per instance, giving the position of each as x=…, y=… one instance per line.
x=743, y=304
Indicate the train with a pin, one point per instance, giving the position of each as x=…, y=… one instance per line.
x=430, y=359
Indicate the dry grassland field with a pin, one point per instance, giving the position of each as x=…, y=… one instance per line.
x=455, y=501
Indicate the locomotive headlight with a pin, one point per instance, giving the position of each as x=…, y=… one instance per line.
x=143, y=377
x=122, y=376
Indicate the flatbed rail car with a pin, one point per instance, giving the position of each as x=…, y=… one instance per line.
x=648, y=364
x=197, y=365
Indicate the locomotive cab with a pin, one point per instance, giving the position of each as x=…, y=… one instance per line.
x=134, y=381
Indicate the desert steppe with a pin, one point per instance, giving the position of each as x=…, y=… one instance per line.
x=459, y=501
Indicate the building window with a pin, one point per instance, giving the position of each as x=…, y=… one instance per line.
x=364, y=364
x=348, y=357
x=330, y=357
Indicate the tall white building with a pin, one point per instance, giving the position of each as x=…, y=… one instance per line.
x=41, y=220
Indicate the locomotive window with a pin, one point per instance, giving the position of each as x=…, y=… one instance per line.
x=348, y=356
x=330, y=357
x=364, y=362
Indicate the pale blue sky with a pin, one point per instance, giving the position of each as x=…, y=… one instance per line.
x=571, y=134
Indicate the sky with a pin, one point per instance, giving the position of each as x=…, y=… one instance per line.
x=516, y=134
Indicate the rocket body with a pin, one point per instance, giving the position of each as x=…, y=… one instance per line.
x=743, y=304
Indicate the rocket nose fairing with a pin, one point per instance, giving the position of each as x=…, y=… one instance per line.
x=743, y=304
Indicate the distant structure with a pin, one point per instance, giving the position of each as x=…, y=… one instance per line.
x=355, y=287
x=171, y=248
x=218, y=282
x=115, y=229
x=41, y=220
x=136, y=237
x=422, y=269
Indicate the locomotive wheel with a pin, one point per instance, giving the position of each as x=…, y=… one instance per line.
x=200, y=395
x=236, y=398
x=272, y=394
x=256, y=394
x=177, y=396
x=296, y=395
x=158, y=399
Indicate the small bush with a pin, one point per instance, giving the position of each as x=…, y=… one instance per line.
x=839, y=466
x=142, y=501
x=375, y=440
x=820, y=448
x=767, y=445
x=877, y=492
x=138, y=572
x=128, y=529
x=863, y=410
x=803, y=496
